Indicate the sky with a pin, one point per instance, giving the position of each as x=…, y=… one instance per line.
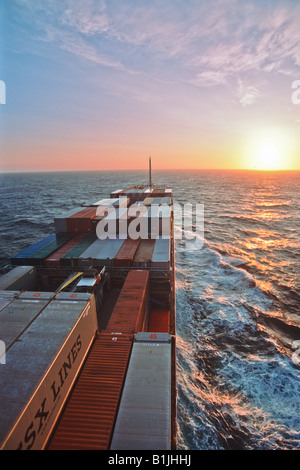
x=104, y=84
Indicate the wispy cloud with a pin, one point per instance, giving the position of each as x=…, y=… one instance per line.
x=208, y=44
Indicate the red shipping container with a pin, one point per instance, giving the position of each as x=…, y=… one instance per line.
x=54, y=258
x=88, y=419
x=130, y=309
x=82, y=220
x=126, y=253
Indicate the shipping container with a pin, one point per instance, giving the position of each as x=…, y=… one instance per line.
x=116, y=202
x=54, y=259
x=72, y=256
x=144, y=416
x=143, y=255
x=161, y=254
x=116, y=193
x=158, y=192
x=148, y=201
x=82, y=221
x=107, y=254
x=101, y=252
x=88, y=419
x=159, y=321
x=122, y=201
x=130, y=312
x=24, y=255
x=6, y=297
x=103, y=202
x=19, y=278
x=92, y=250
x=40, y=371
x=38, y=257
x=19, y=314
x=60, y=222
x=125, y=255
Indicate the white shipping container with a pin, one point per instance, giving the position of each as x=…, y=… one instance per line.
x=40, y=371
x=18, y=315
x=19, y=278
x=144, y=416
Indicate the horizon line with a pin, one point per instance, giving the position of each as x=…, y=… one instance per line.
x=146, y=170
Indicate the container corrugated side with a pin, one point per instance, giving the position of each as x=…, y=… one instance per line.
x=19, y=278
x=89, y=416
x=130, y=309
x=23, y=256
x=126, y=253
x=82, y=221
x=60, y=222
x=41, y=369
x=144, y=416
x=20, y=313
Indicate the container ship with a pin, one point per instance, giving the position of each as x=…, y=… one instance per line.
x=88, y=330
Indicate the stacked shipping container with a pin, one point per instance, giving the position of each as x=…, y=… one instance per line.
x=88, y=419
x=144, y=416
x=41, y=368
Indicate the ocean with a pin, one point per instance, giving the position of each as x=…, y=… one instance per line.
x=237, y=293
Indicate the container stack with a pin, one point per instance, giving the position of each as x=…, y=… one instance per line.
x=88, y=424
x=130, y=312
x=144, y=416
x=48, y=339
x=125, y=255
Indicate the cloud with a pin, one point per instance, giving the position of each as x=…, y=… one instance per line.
x=87, y=17
x=199, y=43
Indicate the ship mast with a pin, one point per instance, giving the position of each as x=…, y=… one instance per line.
x=150, y=175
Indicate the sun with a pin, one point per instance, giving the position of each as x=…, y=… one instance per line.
x=270, y=150
x=268, y=156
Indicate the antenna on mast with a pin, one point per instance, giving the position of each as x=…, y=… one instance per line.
x=150, y=176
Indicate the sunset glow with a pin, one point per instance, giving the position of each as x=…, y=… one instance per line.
x=271, y=150
x=99, y=85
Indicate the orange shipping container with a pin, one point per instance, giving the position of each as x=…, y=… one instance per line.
x=82, y=220
x=88, y=419
x=125, y=255
x=131, y=307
